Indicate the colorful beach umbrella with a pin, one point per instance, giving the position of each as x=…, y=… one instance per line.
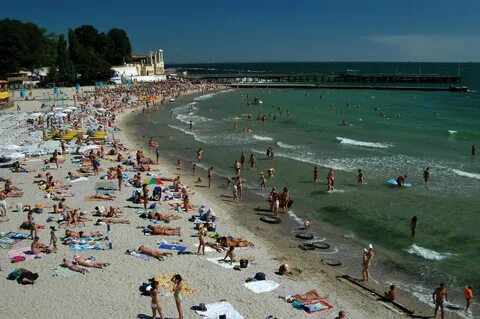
x=153, y=181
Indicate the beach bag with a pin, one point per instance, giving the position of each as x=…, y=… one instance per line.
x=243, y=263
x=259, y=276
x=17, y=259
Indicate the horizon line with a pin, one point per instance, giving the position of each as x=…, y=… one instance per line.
x=286, y=61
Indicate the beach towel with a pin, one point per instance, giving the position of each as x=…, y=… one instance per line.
x=90, y=246
x=207, y=249
x=261, y=286
x=64, y=272
x=80, y=179
x=214, y=310
x=222, y=263
x=24, y=252
x=172, y=247
x=105, y=185
x=140, y=255
x=11, y=238
x=164, y=281
x=316, y=306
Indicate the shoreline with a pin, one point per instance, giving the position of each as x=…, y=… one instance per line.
x=273, y=236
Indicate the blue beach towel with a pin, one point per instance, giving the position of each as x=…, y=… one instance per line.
x=77, y=247
x=172, y=247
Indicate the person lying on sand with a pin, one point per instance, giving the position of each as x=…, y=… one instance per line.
x=113, y=220
x=37, y=247
x=153, y=252
x=111, y=212
x=11, y=190
x=308, y=296
x=23, y=276
x=162, y=217
x=236, y=242
x=89, y=263
x=73, y=267
x=100, y=197
x=82, y=234
x=73, y=177
x=216, y=246
x=164, y=231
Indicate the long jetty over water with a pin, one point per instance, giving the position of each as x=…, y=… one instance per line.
x=418, y=82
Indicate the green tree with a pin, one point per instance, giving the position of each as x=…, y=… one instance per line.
x=120, y=49
x=66, y=69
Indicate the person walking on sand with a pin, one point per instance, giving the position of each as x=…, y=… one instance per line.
x=316, y=173
x=209, y=175
x=194, y=169
x=177, y=293
x=439, y=297
x=360, y=177
x=3, y=204
x=120, y=177
x=202, y=232
x=426, y=174
x=53, y=239
x=468, y=293
x=145, y=196
x=413, y=226
x=155, y=304
x=157, y=153
x=366, y=261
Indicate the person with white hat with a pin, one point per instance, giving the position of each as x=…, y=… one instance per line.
x=366, y=260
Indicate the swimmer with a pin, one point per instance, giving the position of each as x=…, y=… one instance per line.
x=426, y=175
x=360, y=177
x=401, y=180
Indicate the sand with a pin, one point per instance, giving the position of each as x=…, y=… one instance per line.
x=114, y=292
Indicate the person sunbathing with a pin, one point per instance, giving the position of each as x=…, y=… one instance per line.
x=11, y=190
x=236, y=242
x=89, y=263
x=101, y=197
x=73, y=177
x=77, y=218
x=164, y=231
x=73, y=267
x=37, y=247
x=153, y=252
x=23, y=276
x=113, y=220
x=311, y=295
x=82, y=234
x=162, y=217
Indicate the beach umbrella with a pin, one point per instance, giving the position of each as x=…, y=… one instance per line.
x=67, y=111
x=101, y=109
x=50, y=113
x=61, y=114
x=72, y=108
x=153, y=181
x=57, y=108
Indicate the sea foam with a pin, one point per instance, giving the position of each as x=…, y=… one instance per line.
x=262, y=138
x=204, y=97
x=466, y=174
x=344, y=140
x=427, y=253
x=285, y=145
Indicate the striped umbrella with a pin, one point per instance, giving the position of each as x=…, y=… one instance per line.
x=153, y=181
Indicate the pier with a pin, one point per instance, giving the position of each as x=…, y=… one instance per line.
x=367, y=81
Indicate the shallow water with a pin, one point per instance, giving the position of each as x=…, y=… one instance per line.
x=415, y=131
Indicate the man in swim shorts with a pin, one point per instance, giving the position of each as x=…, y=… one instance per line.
x=401, y=180
x=439, y=297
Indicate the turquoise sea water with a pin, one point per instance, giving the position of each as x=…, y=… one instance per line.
x=387, y=134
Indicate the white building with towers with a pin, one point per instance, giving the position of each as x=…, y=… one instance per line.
x=147, y=68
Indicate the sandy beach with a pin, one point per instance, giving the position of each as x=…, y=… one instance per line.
x=114, y=291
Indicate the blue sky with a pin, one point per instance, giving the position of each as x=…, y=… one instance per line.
x=275, y=30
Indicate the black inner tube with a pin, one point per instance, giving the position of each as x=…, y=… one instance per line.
x=321, y=245
x=306, y=247
x=306, y=236
x=332, y=262
x=270, y=220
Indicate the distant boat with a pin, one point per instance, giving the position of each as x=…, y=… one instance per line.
x=454, y=88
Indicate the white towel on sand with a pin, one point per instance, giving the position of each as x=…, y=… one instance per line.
x=214, y=310
x=222, y=263
x=261, y=286
x=207, y=249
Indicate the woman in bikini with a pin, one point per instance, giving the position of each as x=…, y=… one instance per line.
x=165, y=231
x=202, y=232
x=153, y=252
x=308, y=296
x=155, y=304
x=73, y=267
x=89, y=263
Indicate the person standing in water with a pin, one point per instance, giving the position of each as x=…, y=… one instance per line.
x=316, y=172
x=155, y=304
x=252, y=161
x=360, y=177
x=263, y=181
x=401, y=180
x=413, y=226
x=330, y=180
x=426, y=174
x=190, y=125
x=177, y=293
x=439, y=297
x=474, y=150
x=468, y=293
x=199, y=154
x=194, y=169
x=243, y=159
